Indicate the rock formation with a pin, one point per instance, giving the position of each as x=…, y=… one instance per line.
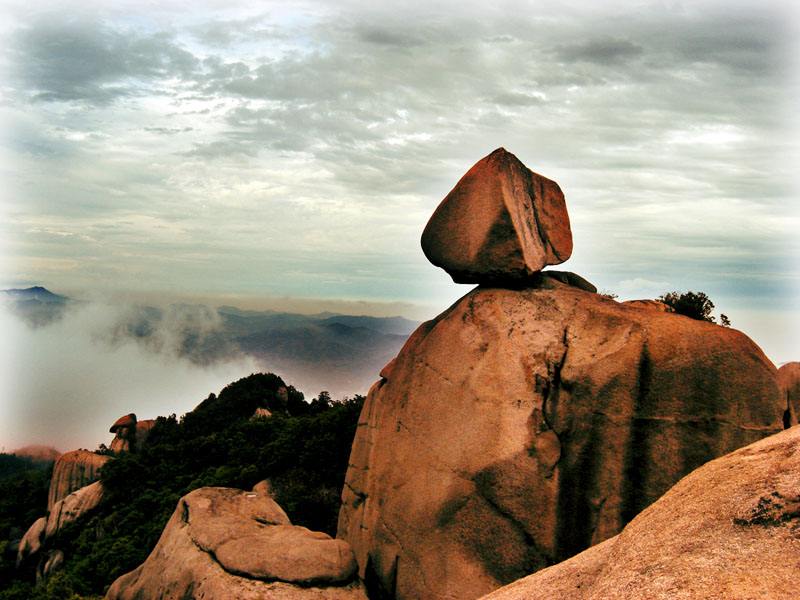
x=789, y=379
x=38, y=537
x=72, y=471
x=236, y=544
x=501, y=222
x=31, y=542
x=523, y=425
x=129, y=433
x=730, y=529
x=69, y=509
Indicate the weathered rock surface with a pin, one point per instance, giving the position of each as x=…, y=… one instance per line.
x=67, y=510
x=501, y=222
x=55, y=560
x=789, y=379
x=74, y=506
x=730, y=529
x=72, y=471
x=130, y=433
x=649, y=305
x=31, y=542
x=226, y=543
x=523, y=426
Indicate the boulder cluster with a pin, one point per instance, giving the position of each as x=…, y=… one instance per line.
x=74, y=492
x=535, y=440
x=534, y=418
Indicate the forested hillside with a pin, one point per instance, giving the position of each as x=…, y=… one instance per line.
x=302, y=448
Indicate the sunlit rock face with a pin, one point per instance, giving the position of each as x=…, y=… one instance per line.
x=522, y=426
x=533, y=418
x=72, y=471
x=727, y=530
x=227, y=543
x=501, y=223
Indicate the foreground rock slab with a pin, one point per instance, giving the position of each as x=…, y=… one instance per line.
x=226, y=543
x=730, y=529
x=500, y=223
x=522, y=426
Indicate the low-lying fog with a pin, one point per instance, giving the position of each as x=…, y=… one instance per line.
x=65, y=381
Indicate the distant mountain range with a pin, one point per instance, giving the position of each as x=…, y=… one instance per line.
x=326, y=351
x=36, y=305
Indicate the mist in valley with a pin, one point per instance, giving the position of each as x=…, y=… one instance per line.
x=69, y=371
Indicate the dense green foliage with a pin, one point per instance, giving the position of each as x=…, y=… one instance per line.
x=303, y=449
x=23, y=498
x=696, y=305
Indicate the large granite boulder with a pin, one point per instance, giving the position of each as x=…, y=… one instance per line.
x=520, y=427
x=730, y=529
x=226, y=543
x=789, y=379
x=501, y=222
x=39, y=536
x=69, y=509
x=72, y=471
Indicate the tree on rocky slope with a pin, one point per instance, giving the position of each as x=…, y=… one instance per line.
x=696, y=305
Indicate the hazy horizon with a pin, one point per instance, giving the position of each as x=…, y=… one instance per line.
x=288, y=157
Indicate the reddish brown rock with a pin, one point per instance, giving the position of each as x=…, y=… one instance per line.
x=500, y=223
x=728, y=530
x=125, y=421
x=649, y=305
x=789, y=379
x=226, y=543
x=523, y=426
x=131, y=434
x=72, y=471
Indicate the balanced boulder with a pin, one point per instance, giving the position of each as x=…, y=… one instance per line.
x=789, y=379
x=500, y=223
x=522, y=426
x=730, y=529
x=129, y=433
x=226, y=543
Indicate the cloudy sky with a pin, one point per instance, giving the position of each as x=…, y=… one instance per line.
x=276, y=150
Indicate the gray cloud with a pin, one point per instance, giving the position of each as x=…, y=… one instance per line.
x=300, y=152
x=78, y=59
x=602, y=51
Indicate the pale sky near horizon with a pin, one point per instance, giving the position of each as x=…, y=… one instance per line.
x=266, y=151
